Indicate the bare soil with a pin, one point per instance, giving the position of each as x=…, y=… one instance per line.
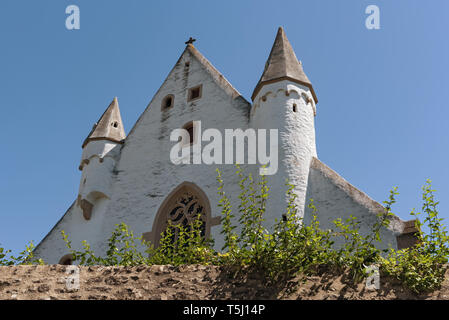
x=191, y=282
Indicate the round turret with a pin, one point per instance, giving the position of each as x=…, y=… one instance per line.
x=101, y=150
x=284, y=99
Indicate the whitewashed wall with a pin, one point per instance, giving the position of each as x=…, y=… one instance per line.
x=139, y=175
x=273, y=108
x=335, y=198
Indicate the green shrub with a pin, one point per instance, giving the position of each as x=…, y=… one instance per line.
x=124, y=249
x=291, y=247
x=423, y=266
x=190, y=247
x=25, y=257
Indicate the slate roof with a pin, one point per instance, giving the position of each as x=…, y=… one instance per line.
x=109, y=126
x=282, y=64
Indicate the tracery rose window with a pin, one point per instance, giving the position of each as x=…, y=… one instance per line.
x=182, y=206
x=184, y=211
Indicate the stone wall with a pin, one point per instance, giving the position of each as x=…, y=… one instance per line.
x=192, y=282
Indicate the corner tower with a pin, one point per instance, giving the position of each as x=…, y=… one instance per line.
x=284, y=99
x=101, y=150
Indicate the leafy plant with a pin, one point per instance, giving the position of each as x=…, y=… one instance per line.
x=423, y=266
x=4, y=261
x=359, y=251
x=122, y=249
x=25, y=257
x=190, y=247
x=290, y=247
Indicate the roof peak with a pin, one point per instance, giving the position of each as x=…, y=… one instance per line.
x=109, y=126
x=216, y=75
x=282, y=64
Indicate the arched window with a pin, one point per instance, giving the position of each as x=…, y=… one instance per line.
x=168, y=102
x=184, y=211
x=183, y=205
x=66, y=260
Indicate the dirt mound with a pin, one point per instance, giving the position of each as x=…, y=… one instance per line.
x=185, y=282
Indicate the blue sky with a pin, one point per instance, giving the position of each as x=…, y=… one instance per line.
x=383, y=94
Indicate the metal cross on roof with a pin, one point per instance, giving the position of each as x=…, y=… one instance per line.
x=190, y=41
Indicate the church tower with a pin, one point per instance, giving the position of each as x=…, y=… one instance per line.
x=101, y=150
x=284, y=99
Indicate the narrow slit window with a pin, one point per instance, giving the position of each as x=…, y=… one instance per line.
x=190, y=131
x=189, y=128
x=294, y=107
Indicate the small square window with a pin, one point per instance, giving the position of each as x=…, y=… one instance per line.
x=194, y=93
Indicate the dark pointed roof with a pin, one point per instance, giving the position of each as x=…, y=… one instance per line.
x=109, y=126
x=282, y=64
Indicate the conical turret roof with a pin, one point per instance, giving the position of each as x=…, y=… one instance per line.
x=109, y=126
x=282, y=64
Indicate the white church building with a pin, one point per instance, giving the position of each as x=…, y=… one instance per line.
x=131, y=178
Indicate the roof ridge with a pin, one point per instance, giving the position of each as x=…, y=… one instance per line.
x=216, y=75
x=218, y=78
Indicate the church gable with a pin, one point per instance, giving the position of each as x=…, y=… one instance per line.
x=192, y=85
x=193, y=91
x=133, y=179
